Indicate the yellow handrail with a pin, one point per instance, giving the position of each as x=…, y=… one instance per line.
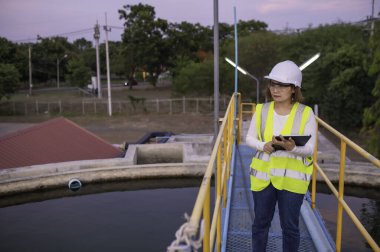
x=342, y=205
x=220, y=158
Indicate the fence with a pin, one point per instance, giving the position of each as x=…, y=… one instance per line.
x=95, y=106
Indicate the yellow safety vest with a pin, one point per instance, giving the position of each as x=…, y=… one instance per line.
x=286, y=171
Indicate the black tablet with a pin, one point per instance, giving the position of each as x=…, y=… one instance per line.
x=299, y=140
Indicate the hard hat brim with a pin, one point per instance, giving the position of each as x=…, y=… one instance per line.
x=283, y=82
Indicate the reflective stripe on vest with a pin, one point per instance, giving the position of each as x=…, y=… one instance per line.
x=280, y=173
x=259, y=174
x=285, y=170
x=290, y=174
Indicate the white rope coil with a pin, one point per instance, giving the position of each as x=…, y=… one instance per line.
x=184, y=241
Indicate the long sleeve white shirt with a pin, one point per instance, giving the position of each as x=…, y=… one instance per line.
x=278, y=123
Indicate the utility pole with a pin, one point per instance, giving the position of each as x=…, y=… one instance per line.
x=96, y=37
x=58, y=61
x=216, y=69
x=30, y=71
x=373, y=18
x=108, y=69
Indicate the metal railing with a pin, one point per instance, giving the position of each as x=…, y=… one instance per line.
x=221, y=158
x=220, y=161
x=94, y=106
x=342, y=205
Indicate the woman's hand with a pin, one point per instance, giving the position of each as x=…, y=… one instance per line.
x=268, y=148
x=287, y=144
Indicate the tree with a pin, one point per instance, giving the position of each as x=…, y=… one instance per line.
x=248, y=27
x=78, y=74
x=258, y=53
x=15, y=54
x=45, y=55
x=82, y=44
x=189, y=41
x=198, y=79
x=371, y=118
x=7, y=51
x=341, y=105
x=326, y=40
x=144, y=40
x=9, y=79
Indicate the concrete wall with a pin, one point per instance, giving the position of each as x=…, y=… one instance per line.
x=174, y=159
x=356, y=173
x=26, y=179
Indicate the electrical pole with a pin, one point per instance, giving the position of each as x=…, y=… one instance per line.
x=373, y=18
x=216, y=70
x=97, y=36
x=108, y=70
x=30, y=71
x=57, y=72
x=58, y=61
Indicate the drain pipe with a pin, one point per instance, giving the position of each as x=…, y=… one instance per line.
x=74, y=184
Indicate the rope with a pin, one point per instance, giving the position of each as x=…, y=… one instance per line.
x=184, y=238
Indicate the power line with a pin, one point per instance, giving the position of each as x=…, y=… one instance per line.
x=66, y=34
x=116, y=27
x=79, y=32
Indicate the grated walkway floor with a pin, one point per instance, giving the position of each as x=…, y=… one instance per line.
x=242, y=215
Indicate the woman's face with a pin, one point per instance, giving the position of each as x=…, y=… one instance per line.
x=281, y=92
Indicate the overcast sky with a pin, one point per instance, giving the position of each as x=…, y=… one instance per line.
x=21, y=20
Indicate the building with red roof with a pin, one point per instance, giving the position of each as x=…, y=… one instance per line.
x=53, y=141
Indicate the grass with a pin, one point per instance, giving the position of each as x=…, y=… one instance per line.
x=118, y=93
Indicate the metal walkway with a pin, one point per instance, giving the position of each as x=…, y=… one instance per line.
x=240, y=216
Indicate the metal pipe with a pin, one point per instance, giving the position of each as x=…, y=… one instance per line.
x=216, y=69
x=206, y=218
x=340, y=195
x=243, y=71
x=108, y=71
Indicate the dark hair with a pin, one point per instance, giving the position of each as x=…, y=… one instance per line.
x=296, y=96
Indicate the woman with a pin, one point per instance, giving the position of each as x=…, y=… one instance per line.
x=283, y=175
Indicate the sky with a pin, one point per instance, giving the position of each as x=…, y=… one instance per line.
x=23, y=20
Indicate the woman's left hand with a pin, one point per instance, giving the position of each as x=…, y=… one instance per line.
x=287, y=144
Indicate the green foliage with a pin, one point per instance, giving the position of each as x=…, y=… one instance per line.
x=198, y=79
x=248, y=27
x=78, y=74
x=135, y=101
x=258, y=52
x=186, y=40
x=244, y=28
x=117, y=60
x=144, y=40
x=45, y=55
x=9, y=79
x=7, y=50
x=348, y=91
x=16, y=55
x=371, y=118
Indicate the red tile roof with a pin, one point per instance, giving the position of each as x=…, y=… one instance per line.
x=56, y=140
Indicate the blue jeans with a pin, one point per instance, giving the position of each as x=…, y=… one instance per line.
x=289, y=206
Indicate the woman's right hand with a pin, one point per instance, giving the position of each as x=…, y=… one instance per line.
x=268, y=148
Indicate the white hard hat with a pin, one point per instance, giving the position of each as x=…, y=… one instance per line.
x=286, y=72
